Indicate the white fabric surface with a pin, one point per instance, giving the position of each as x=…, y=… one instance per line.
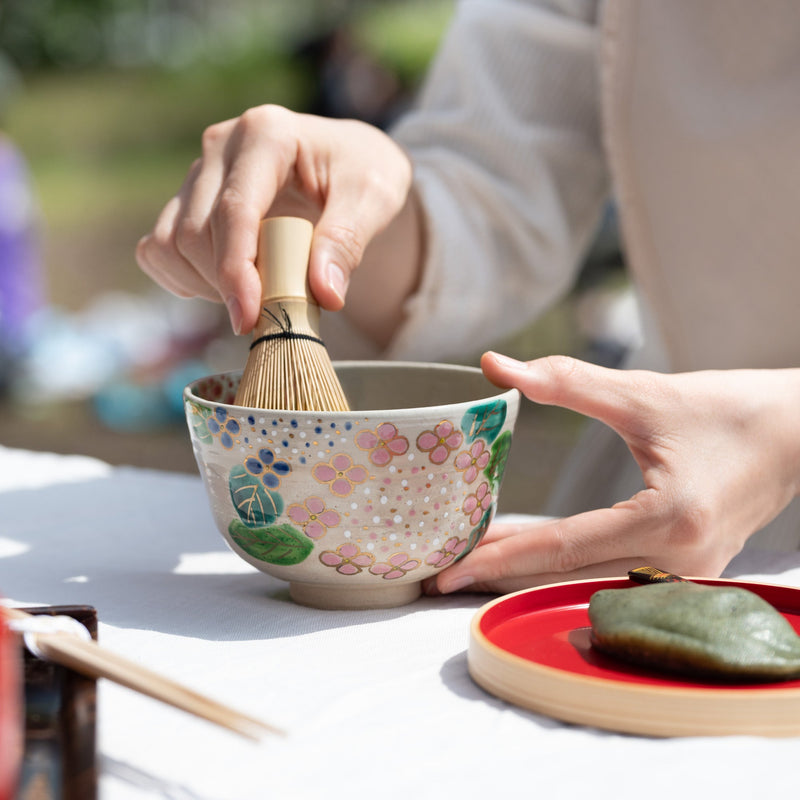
x=376, y=703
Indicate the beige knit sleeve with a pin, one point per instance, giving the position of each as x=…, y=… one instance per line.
x=508, y=159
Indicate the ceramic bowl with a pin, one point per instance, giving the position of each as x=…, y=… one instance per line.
x=354, y=509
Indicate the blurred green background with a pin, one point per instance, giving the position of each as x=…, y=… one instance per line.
x=106, y=100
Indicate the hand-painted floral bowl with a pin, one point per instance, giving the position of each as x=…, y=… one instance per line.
x=354, y=509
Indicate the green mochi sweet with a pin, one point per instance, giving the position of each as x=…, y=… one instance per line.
x=723, y=632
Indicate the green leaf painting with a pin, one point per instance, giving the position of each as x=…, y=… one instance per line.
x=277, y=544
x=254, y=503
x=484, y=420
x=198, y=422
x=497, y=463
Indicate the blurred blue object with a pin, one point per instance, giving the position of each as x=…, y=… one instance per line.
x=177, y=380
x=129, y=406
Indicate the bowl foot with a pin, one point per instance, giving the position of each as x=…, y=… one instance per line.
x=329, y=596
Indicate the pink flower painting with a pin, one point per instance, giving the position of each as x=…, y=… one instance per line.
x=340, y=474
x=384, y=443
x=395, y=567
x=347, y=559
x=313, y=517
x=440, y=442
x=477, y=503
x=451, y=550
x=473, y=461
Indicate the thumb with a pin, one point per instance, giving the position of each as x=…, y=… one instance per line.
x=359, y=205
x=336, y=251
x=344, y=230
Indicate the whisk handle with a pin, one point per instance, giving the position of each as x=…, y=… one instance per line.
x=283, y=250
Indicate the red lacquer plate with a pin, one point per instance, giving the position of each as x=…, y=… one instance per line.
x=533, y=649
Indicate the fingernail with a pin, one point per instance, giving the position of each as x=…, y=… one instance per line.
x=337, y=280
x=507, y=361
x=457, y=583
x=235, y=313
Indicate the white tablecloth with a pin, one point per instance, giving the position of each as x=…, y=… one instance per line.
x=378, y=704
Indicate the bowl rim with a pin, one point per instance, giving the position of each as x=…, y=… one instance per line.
x=509, y=395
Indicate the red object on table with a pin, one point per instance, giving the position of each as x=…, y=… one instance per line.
x=10, y=712
x=533, y=648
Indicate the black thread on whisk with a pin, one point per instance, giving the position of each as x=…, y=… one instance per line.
x=286, y=335
x=286, y=331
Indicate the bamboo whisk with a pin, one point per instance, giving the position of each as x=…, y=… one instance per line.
x=288, y=366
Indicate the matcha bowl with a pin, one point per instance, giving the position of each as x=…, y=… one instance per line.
x=354, y=509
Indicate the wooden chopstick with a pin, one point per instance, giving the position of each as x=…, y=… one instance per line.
x=88, y=658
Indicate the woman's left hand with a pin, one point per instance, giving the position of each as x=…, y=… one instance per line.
x=719, y=452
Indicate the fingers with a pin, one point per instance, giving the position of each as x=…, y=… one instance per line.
x=199, y=195
x=361, y=199
x=645, y=530
x=179, y=253
x=622, y=399
x=606, y=569
x=519, y=555
x=255, y=163
x=561, y=546
x=159, y=258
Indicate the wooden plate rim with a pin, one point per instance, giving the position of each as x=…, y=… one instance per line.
x=652, y=700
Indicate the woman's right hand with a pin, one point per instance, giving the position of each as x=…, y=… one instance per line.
x=348, y=177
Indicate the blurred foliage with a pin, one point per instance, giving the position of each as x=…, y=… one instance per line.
x=403, y=35
x=64, y=34
x=107, y=148
x=79, y=34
